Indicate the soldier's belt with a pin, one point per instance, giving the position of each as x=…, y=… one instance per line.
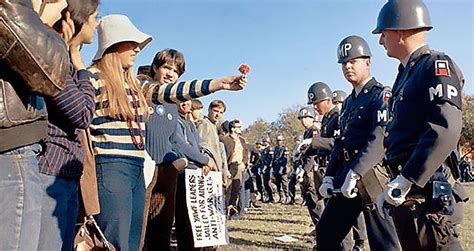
x=347, y=155
x=394, y=166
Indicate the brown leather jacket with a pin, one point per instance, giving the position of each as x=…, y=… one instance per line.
x=230, y=145
x=33, y=64
x=23, y=118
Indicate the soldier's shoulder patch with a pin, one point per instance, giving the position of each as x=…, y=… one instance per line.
x=442, y=68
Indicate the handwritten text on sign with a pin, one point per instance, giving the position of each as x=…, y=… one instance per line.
x=206, y=208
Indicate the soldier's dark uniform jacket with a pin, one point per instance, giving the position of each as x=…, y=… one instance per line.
x=267, y=157
x=254, y=156
x=329, y=131
x=255, y=159
x=308, y=155
x=425, y=116
x=280, y=159
x=362, y=122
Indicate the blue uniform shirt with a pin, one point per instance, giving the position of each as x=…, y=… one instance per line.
x=280, y=158
x=329, y=131
x=425, y=114
x=267, y=157
x=362, y=124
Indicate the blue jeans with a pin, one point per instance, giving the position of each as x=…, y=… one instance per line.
x=244, y=199
x=121, y=188
x=21, y=199
x=59, y=213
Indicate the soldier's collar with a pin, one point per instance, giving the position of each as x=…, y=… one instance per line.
x=364, y=85
x=415, y=55
x=333, y=110
x=407, y=58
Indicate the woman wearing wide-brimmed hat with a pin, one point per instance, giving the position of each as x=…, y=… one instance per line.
x=117, y=129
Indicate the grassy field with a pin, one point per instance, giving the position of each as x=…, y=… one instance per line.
x=261, y=226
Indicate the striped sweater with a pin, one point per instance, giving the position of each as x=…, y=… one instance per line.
x=111, y=138
x=68, y=112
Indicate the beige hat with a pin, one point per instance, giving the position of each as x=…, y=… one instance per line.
x=114, y=29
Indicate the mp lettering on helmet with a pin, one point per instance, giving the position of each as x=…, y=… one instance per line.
x=310, y=96
x=438, y=91
x=344, y=49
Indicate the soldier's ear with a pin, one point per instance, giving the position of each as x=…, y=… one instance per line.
x=368, y=62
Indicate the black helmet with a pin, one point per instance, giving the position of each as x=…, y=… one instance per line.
x=403, y=15
x=267, y=140
x=352, y=47
x=298, y=138
x=306, y=112
x=259, y=141
x=318, y=92
x=338, y=96
x=280, y=138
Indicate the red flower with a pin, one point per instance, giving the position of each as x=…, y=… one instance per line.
x=244, y=69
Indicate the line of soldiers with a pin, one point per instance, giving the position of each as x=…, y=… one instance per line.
x=267, y=162
x=387, y=154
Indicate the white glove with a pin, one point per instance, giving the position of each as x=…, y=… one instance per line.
x=326, y=185
x=299, y=177
x=349, y=185
x=307, y=141
x=299, y=171
x=264, y=169
x=281, y=170
x=396, y=191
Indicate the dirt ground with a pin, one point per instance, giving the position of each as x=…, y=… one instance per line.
x=260, y=227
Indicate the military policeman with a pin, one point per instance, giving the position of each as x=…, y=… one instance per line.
x=424, y=128
x=257, y=165
x=355, y=155
x=338, y=97
x=295, y=174
x=267, y=157
x=280, y=160
x=315, y=204
x=322, y=99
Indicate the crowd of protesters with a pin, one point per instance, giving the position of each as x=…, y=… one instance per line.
x=102, y=122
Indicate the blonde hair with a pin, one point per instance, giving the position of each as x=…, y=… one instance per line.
x=115, y=79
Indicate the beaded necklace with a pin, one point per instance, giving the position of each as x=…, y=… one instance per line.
x=138, y=145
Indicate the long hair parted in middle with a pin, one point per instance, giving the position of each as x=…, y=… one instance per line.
x=115, y=79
